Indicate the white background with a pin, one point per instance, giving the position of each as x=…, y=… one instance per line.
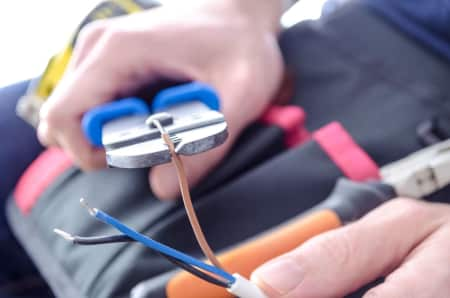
x=33, y=30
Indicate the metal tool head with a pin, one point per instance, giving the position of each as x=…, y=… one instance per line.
x=421, y=173
x=130, y=142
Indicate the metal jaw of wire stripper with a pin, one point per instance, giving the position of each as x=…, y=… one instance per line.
x=126, y=128
x=421, y=173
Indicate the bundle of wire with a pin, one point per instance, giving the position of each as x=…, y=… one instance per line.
x=213, y=274
x=209, y=273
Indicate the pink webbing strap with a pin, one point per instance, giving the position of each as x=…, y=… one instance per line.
x=291, y=119
x=350, y=158
x=38, y=177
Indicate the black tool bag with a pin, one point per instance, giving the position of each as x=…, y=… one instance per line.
x=350, y=67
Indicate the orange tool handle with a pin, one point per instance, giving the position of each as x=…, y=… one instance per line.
x=246, y=257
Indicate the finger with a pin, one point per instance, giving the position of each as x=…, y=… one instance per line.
x=45, y=137
x=79, y=150
x=347, y=258
x=92, y=83
x=44, y=133
x=76, y=94
x=425, y=274
x=101, y=76
x=85, y=42
x=75, y=144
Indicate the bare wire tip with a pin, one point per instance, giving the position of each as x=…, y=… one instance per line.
x=64, y=234
x=92, y=211
x=158, y=125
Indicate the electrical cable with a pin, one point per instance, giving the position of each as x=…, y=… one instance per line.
x=187, y=200
x=155, y=245
x=186, y=196
x=93, y=240
x=197, y=272
x=97, y=240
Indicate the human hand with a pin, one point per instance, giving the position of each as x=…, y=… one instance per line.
x=222, y=43
x=406, y=241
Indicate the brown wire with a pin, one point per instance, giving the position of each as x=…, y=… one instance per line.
x=186, y=196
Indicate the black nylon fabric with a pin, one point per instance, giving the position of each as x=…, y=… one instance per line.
x=349, y=66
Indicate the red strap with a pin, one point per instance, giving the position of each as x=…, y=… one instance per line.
x=351, y=159
x=291, y=119
x=39, y=175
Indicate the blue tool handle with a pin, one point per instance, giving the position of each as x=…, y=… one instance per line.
x=94, y=120
x=195, y=91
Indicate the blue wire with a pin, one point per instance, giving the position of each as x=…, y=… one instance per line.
x=161, y=247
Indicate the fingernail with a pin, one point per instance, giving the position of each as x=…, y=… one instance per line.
x=281, y=276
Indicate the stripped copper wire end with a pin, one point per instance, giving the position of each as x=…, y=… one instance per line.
x=92, y=211
x=64, y=235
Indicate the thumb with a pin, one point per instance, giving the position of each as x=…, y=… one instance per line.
x=339, y=262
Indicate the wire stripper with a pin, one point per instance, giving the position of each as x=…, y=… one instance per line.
x=189, y=113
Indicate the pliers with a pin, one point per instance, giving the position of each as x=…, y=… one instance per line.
x=189, y=113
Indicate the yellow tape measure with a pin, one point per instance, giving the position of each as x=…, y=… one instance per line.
x=29, y=105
